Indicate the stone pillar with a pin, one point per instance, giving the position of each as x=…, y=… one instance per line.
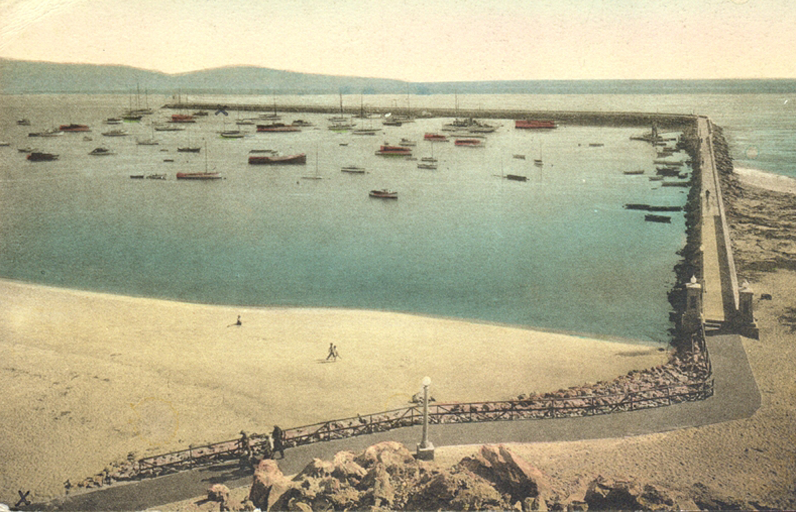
x=692, y=318
x=746, y=318
x=425, y=450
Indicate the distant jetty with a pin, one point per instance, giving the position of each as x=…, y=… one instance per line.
x=561, y=117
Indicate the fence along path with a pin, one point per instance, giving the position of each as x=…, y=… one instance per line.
x=533, y=408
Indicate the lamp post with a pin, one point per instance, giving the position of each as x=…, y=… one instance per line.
x=425, y=450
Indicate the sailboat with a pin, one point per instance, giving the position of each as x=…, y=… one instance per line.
x=428, y=162
x=340, y=123
x=317, y=175
x=199, y=175
x=538, y=161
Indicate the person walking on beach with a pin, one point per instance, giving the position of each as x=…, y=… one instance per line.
x=278, y=436
x=332, y=353
x=238, y=323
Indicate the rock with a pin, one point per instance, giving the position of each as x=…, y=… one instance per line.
x=508, y=472
x=268, y=484
x=316, y=469
x=458, y=489
x=611, y=494
x=709, y=499
x=218, y=493
x=381, y=491
x=345, y=469
x=389, y=453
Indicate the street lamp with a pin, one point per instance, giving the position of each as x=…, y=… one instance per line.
x=425, y=450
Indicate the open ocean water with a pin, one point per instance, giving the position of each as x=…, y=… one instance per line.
x=558, y=251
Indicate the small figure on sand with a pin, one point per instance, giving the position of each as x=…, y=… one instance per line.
x=332, y=353
x=707, y=196
x=238, y=323
x=278, y=437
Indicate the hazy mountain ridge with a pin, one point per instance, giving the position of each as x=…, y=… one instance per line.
x=28, y=77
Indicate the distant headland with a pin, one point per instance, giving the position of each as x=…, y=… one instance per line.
x=29, y=77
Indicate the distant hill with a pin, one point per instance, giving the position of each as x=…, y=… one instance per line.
x=26, y=77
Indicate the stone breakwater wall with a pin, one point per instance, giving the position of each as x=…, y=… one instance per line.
x=686, y=377
x=585, y=118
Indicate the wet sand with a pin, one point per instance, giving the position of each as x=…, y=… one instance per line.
x=90, y=378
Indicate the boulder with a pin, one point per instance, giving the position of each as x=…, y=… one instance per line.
x=346, y=470
x=613, y=494
x=268, y=484
x=389, y=453
x=218, y=493
x=380, y=490
x=457, y=489
x=508, y=472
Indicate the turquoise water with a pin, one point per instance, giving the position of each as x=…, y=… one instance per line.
x=558, y=251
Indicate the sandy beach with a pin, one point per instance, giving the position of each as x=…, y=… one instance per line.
x=766, y=180
x=91, y=378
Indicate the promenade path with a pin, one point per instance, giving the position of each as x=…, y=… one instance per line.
x=735, y=396
x=718, y=301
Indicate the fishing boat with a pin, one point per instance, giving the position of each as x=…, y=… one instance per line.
x=472, y=143
x=189, y=150
x=658, y=218
x=199, y=176
x=387, y=150
x=147, y=142
x=156, y=176
x=407, y=142
x=200, y=113
x=534, y=124
x=28, y=149
x=42, y=157
x=364, y=131
x=383, y=194
x=301, y=123
x=23, y=122
x=519, y=157
x=596, y=144
x=4, y=144
x=132, y=117
x=633, y=173
x=115, y=133
x=277, y=127
x=272, y=151
x=101, y=152
x=435, y=137
x=299, y=159
x=74, y=128
x=427, y=165
x=352, y=169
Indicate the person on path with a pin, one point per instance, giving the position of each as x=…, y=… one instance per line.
x=332, y=353
x=278, y=437
x=707, y=197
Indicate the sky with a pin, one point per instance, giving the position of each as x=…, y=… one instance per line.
x=421, y=41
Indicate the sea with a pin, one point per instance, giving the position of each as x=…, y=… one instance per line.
x=558, y=251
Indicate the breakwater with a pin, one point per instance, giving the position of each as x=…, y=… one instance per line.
x=580, y=118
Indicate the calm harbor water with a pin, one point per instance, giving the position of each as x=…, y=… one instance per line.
x=558, y=251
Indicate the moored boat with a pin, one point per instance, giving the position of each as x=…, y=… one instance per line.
x=472, y=143
x=387, y=150
x=435, y=137
x=101, y=152
x=383, y=194
x=516, y=177
x=352, y=169
x=42, y=157
x=23, y=122
x=298, y=159
x=74, y=128
x=277, y=127
x=189, y=150
x=182, y=118
x=534, y=124
x=658, y=218
x=198, y=176
x=115, y=133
